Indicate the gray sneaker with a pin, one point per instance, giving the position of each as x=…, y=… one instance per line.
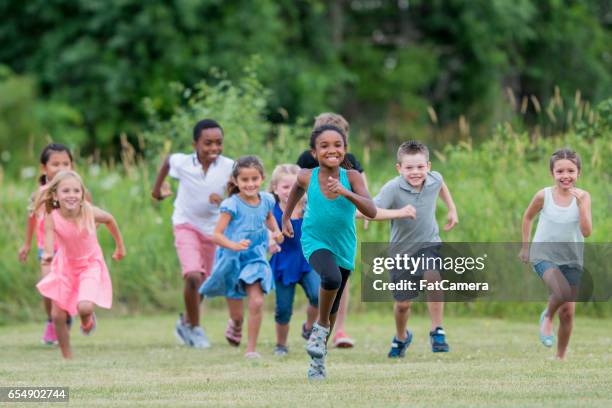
x=316, y=347
x=316, y=371
x=181, y=331
x=281, y=350
x=198, y=337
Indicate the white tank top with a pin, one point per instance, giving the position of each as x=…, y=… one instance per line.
x=558, y=238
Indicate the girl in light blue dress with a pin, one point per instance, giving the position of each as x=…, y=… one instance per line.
x=241, y=267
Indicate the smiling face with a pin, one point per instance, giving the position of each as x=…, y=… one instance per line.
x=69, y=194
x=565, y=172
x=249, y=181
x=57, y=162
x=413, y=168
x=283, y=187
x=329, y=149
x=209, y=145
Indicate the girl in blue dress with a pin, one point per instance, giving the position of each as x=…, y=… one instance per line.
x=328, y=231
x=288, y=264
x=241, y=267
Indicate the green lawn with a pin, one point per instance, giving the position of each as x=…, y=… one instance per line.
x=137, y=361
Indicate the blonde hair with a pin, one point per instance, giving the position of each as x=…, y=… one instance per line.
x=85, y=218
x=281, y=171
x=334, y=119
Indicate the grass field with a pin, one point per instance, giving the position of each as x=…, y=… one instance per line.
x=136, y=361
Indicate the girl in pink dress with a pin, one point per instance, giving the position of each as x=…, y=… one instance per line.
x=79, y=277
x=53, y=158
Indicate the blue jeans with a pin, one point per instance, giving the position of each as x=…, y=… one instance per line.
x=285, y=294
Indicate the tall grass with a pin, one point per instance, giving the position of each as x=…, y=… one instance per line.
x=491, y=185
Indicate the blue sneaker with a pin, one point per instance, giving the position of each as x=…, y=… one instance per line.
x=547, y=341
x=437, y=338
x=316, y=347
x=317, y=371
x=398, y=348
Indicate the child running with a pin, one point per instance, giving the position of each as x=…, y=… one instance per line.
x=202, y=176
x=307, y=161
x=328, y=231
x=241, y=266
x=289, y=265
x=54, y=158
x=409, y=201
x=565, y=219
x=78, y=278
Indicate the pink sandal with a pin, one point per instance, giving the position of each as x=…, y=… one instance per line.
x=233, y=333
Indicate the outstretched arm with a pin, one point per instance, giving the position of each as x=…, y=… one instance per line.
x=534, y=207
x=103, y=217
x=383, y=214
x=157, y=192
x=359, y=196
x=446, y=197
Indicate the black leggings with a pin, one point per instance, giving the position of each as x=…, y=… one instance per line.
x=332, y=276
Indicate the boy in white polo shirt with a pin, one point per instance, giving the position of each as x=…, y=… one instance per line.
x=203, y=177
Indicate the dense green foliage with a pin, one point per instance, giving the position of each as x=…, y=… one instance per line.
x=380, y=63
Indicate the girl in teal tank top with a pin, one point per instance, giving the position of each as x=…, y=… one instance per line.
x=328, y=231
x=329, y=224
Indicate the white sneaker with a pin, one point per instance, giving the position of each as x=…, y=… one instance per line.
x=198, y=337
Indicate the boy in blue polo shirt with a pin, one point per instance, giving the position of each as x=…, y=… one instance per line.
x=409, y=201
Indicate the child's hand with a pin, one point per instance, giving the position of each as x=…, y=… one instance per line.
x=278, y=237
x=46, y=258
x=524, y=255
x=242, y=245
x=335, y=186
x=453, y=220
x=119, y=253
x=215, y=199
x=287, y=228
x=407, y=211
x=273, y=248
x=578, y=193
x=162, y=192
x=23, y=253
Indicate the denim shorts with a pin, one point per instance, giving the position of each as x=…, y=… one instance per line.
x=432, y=254
x=572, y=273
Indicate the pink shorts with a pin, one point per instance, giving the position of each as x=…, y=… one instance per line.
x=196, y=251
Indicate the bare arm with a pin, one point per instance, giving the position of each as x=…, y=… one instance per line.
x=272, y=225
x=220, y=239
x=359, y=196
x=534, y=207
x=161, y=176
x=583, y=200
x=27, y=243
x=446, y=197
x=47, y=254
x=383, y=214
x=103, y=217
x=296, y=193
